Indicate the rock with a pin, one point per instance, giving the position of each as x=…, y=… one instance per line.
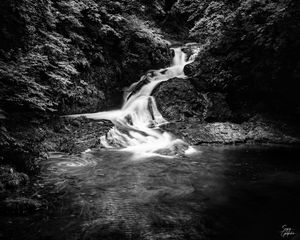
x=188, y=51
x=190, y=69
x=256, y=130
x=177, y=100
x=217, y=133
x=10, y=179
x=21, y=205
x=261, y=129
x=204, y=78
x=81, y=134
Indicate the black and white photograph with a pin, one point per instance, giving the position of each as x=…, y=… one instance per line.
x=149, y=119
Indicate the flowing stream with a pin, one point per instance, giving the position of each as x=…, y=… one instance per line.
x=220, y=192
x=136, y=124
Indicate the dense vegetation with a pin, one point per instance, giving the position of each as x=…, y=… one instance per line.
x=69, y=56
x=250, y=51
x=57, y=55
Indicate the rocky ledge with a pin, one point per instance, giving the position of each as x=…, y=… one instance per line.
x=206, y=117
x=257, y=130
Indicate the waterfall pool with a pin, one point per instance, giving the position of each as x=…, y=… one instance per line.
x=221, y=192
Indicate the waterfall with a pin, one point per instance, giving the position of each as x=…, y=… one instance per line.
x=136, y=124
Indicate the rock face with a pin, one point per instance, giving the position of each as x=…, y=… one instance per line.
x=202, y=117
x=178, y=99
x=257, y=130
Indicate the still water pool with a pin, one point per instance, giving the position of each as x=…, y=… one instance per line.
x=222, y=192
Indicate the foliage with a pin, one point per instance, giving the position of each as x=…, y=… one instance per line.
x=250, y=48
x=69, y=55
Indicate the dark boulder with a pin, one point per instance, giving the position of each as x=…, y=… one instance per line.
x=190, y=69
x=177, y=99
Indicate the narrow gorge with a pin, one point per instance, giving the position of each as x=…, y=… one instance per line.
x=149, y=120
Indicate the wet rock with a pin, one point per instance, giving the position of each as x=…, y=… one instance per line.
x=79, y=135
x=136, y=87
x=190, y=69
x=263, y=129
x=256, y=130
x=178, y=149
x=11, y=179
x=177, y=100
x=217, y=133
x=21, y=205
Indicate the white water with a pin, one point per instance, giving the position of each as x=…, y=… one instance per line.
x=136, y=124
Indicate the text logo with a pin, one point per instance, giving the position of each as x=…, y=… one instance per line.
x=287, y=231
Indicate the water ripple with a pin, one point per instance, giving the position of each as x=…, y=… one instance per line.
x=63, y=163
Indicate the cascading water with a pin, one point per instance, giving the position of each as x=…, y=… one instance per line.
x=136, y=124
